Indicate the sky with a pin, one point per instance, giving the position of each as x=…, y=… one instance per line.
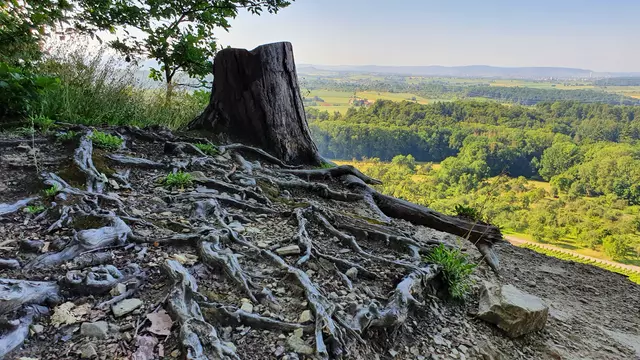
x=599, y=35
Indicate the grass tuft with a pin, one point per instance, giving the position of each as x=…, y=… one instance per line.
x=456, y=270
x=51, y=192
x=178, y=180
x=34, y=209
x=69, y=136
x=467, y=212
x=208, y=149
x=106, y=141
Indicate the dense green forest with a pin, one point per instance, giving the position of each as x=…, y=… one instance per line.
x=589, y=153
x=443, y=90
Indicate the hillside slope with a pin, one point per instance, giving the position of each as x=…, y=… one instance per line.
x=594, y=313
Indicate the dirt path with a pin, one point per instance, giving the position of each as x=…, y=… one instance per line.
x=520, y=241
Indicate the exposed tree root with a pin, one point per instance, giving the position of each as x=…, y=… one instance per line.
x=11, y=143
x=6, y=209
x=482, y=235
x=345, y=265
x=83, y=159
x=179, y=148
x=323, y=310
x=155, y=133
x=18, y=334
x=232, y=316
x=199, y=339
x=257, y=151
x=214, y=255
x=114, y=234
x=231, y=188
x=321, y=189
x=397, y=309
x=52, y=179
x=333, y=172
x=16, y=293
x=239, y=204
x=99, y=280
x=9, y=264
x=135, y=162
x=302, y=236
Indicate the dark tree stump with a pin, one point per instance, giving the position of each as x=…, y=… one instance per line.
x=256, y=100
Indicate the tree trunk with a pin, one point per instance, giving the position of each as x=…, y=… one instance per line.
x=256, y=100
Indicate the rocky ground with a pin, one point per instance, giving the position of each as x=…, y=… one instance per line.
x=251, y=261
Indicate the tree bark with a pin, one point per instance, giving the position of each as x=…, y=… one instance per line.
x=255, y=99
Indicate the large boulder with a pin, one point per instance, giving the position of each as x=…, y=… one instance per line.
x=512, y=310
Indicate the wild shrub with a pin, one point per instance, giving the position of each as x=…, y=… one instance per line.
x=467, y=212
x=106, y=141
x=178, y=180
x=456, y=269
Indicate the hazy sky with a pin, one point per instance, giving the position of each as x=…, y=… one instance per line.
x=600, y=35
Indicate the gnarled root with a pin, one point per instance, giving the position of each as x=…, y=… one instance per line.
x=302, y=236
x=114, y=234
x=15, y=293
x=232, y=316
x=6, y=209
x=332, y=173
x=214, y=255
x=265, y=155
x=99, y=280
x=318, y=188
x=396, y=311
x=17, y=335
x=199, y=339
x=231, y=188
x=135, y=162
x=83, y=159
x=323, y=310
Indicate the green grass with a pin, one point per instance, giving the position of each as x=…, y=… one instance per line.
x=51, y=192
x=42, y=123
x=456, y=270
x=67, y=137
x=178, y=180
x=633, y=275
x=208, y=149
x=35, y=209
x=96, y=89
x=106, y=141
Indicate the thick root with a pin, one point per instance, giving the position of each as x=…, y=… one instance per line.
x=135, y=162
x=16, y=293
x=334, y=172
x=232, y=316
x=17, y=335
x=270, y=158
x=114, y=234
x=199, y=339
x=83, y=158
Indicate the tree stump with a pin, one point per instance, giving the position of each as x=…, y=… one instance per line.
x=255, y=99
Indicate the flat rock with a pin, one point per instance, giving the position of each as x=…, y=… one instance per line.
x=305, y=317
x=298, y=345
x=88, y=351
x=288, y=250
x=98, y=329
x=512, y=310
x=125, y=306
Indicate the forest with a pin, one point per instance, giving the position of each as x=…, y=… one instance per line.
x=477, y=89
x=484, y=156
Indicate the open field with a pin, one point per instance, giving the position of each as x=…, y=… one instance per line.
x=339, y=100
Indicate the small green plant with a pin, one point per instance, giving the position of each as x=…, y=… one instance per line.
x=35, y=209
x=456, y=269
x=106, y=141
x=326, y=165
x=67, y=137
x=467, y=212
x=25, y=131
x=178, y=180
x=208, y=149
x=42, y=122
x=51, y=192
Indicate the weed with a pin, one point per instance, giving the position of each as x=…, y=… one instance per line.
x=25, y=131
x=178, y=180
x=42, y=122
x=51, y=192
x=208, y=149
x=106, y=141
x=455, y=269
x=467, y=212
x=326, y=165
x=67, y=137
x=35, y=209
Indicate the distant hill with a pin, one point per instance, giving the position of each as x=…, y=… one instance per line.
x=475, y=71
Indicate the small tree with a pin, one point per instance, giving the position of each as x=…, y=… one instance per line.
x=178, y=34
